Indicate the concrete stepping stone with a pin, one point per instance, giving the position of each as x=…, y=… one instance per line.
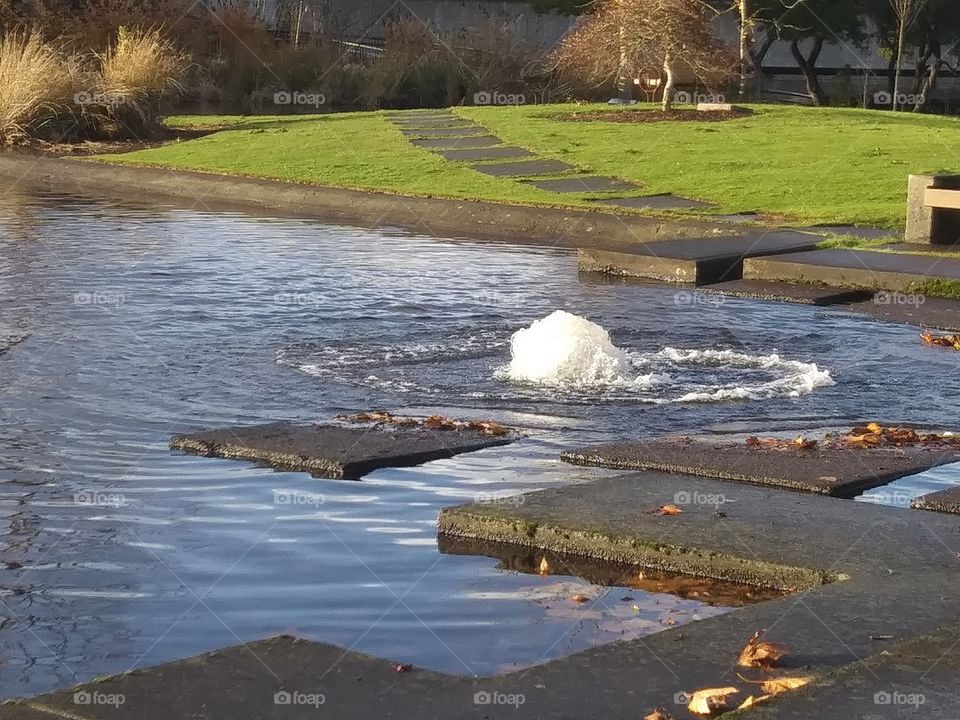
x=585, y=183
x=789, y=292
x=436, y=123
x=459, y=131
x=457, y=143
x=865, y=233
x=744, y=217
x=658, y=202
x=945, y=501
x=334, y=451
x=524, y=168
x=854, y=268
x=839, y=472
x=698, y=261
x=491, y=153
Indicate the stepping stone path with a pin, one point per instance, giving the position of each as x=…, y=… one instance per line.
x=452, y=143
x=479, y=154
x=658, y=202
x=460, y=130
x=525, y=168
x=585, y=183
x=947, y=501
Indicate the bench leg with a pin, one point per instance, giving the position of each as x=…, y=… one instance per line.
x=931, y=225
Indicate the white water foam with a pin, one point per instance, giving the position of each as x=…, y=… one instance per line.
x=567, y=351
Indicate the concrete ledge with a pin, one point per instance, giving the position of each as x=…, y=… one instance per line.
x=945, y=501
x=854, y=269
x=825, y=471
x=334, y=451
x=436, y=216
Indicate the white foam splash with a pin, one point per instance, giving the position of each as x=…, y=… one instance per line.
x=565, y=349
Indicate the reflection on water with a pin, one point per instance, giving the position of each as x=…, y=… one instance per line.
x=142, y=322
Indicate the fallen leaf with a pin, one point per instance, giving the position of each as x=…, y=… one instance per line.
x=403, y=667
x=710, y=701
x=658, y=714
x=753, y=700
x=544, y=568
x=760, y=653
x=580, y=598
x=947, y=341
x=800, y=443
x=668, y=510
x=779, y=685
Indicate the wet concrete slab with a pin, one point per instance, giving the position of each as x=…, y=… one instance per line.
x=658, y=202
x=928, y=312
x=945, y=501
x=456, y=143
x=839, y=472
x=500, y=152
x=526, y=168
x=854, y=268
x=915, y=679
x=697, y=261
x=869, y=577
x=585, y=183
x=334, y=451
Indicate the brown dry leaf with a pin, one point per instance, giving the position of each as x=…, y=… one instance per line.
x=876, y=435
x=753, y=700
x=800, y=443
x=779, y=685
x=580, y=598
x=439, y=422
x=668, y=510
x=403, y=667
x=710, y=701
x=947, y=341
x=761, y=654
x=488, y=427
x=658, y=714
x=544, y=568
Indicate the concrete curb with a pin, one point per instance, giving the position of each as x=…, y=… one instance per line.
x=433, y=216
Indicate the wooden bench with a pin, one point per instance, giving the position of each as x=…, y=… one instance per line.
x=933, y=209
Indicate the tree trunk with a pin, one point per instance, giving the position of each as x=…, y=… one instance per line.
x=896, y=70
x=808, y=66
x=670, y=84
x=624, y=81
x=744, y=45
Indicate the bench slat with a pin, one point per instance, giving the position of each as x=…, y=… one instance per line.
x=946, y=199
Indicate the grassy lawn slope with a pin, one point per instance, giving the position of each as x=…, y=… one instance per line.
x=810, y=165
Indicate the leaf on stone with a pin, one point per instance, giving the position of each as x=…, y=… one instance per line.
x=779, y=685
x=667, y=510
x=658, y=714
x=947, y=341
x=710, y=701
x=580, y=598
x=759, y=653
x=544, y=568
x=800, y=443
x=403, y=667
x=753, y=700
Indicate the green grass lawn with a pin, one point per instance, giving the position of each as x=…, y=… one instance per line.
x=806, y=165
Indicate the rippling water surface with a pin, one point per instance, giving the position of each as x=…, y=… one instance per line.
x=122, y=324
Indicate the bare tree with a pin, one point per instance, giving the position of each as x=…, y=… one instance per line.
x=906, y=12
x=622, y=39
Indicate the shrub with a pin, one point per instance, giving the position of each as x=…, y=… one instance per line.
x=37, y=83
x=135, y=73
